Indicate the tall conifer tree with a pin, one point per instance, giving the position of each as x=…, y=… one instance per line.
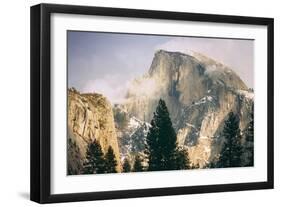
x=94, y=162
x=110, y=161
x=126, y=166
x=161, y=141
x=231, y=152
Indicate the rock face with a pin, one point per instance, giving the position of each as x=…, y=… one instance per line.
x=199, y=93
x=130, y=132
x=90, y=117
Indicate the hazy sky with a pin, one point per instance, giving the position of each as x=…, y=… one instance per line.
x=106, y=62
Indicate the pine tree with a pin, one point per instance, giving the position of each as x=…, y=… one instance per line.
x=232, y=149
x=94, y=163
x=182, y=159
x=151, y=149
x=249, y=145
x=161, y=141
x=138, y=164
x=110, y=161
x=126, y=166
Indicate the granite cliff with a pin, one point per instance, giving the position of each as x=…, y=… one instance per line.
x=90, y=117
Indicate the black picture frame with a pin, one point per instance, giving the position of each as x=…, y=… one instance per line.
x=41, y=102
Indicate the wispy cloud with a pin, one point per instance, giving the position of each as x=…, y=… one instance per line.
x=113, y=87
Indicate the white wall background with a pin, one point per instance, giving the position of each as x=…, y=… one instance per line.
x=14, y=102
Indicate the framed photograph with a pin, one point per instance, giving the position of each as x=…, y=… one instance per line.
x=133, y=103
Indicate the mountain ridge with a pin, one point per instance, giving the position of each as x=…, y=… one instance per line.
x=198, y=92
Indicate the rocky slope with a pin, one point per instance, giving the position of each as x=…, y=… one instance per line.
x=199, y=93
x=130, y=131
x=90, y=117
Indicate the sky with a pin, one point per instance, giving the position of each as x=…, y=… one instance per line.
x=106, y=62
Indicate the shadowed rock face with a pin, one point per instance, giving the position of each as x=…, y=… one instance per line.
x=90, y=117
x=199, y=93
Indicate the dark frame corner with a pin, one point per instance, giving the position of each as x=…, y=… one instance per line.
x=41, y=95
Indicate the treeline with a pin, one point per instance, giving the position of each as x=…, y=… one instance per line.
x=97, y=162
x=162, y=151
